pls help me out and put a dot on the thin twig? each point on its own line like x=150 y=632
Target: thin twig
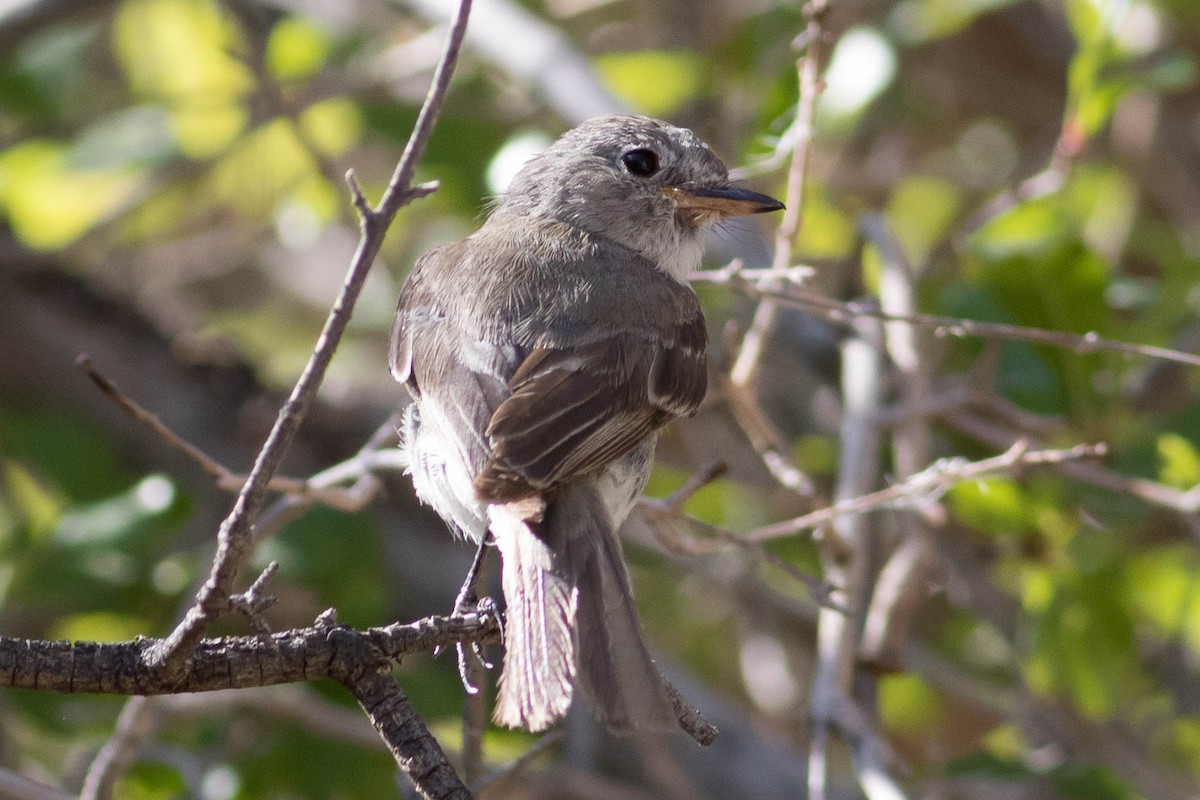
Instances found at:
x=871 y=752
x=740 y=387
x=661 y=516
x=758 y=283
x=678 y=498
x=224 y=476
x=765 y=438
x=14 y=786
x=745 y=368
x=137 y=720
x=1185 y=503
x=235 y=534
x=254 y=601
x=926 y=486
x=742 y=382
x=319 y=488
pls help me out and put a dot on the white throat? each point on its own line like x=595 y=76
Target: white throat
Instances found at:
x=683 y=259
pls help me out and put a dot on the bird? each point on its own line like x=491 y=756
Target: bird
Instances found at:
x=542 y=354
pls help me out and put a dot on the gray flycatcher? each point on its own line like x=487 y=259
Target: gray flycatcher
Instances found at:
x=543 y=353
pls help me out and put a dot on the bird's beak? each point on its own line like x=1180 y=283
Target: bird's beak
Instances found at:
x=728 y=201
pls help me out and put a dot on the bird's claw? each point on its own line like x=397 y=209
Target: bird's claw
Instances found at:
x=467 y=603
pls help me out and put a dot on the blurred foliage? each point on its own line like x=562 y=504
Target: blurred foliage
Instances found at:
x=186 y=157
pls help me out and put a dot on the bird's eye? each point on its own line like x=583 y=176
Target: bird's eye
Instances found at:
x=640 y=162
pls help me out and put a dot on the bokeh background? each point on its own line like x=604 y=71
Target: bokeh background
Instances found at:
x=172 y=203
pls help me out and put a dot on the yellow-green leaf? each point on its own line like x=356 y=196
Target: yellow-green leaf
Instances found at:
x=332 y=126
x=49 y=204
x=98 y=626
x=1179 y=461
x=993 y=504
x=655 y=82
x=296 y=49
x=37 y=505
x=908 y=704
x=179 y=50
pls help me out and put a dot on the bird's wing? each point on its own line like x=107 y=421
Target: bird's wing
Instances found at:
x=462 y=378
x=575 y=408
x=535 y=388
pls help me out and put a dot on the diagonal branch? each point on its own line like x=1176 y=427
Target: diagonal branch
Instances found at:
x=236 y=532
x=318 y=488
x=368 y=677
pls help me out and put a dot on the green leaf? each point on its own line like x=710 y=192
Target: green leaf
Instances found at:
x=988 y=765
x=655 y=82
x=180 y=50
x=920 y=209
x=332 y=126
x=1175 y=72
x=146 y=780
x=296 y=49
x=182 y=53
x=1180 y=461
x=995 y=504
x=36 y=505
x=1090 y=782
x=917 y=21
x=908 y=705
x=98 y=626
x=49 y=203
x=828 y=231
x=1083 y=617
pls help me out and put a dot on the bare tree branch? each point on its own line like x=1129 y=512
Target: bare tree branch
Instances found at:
x=808 y=67
x=302 y=654
x=741 y=384
x=136 y=721
x=899 y=586
x=1185 y=503
x=546 y=59
x=368 y=677
x=319 y=488
x=761 y=283
x=846 y=548
x=926 y=486
x=235 y=534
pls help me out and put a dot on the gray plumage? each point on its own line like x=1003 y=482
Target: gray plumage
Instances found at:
x=543 y=354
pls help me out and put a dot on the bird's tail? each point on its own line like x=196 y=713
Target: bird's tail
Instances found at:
x=539 y=653
x=571 y=612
